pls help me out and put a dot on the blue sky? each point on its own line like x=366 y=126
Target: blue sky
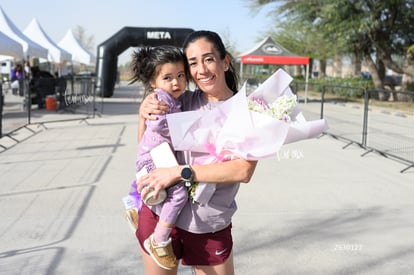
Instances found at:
x=230 y=18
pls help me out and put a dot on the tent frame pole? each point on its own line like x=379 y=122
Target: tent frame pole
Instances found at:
x=306 y=83
x=241 y=71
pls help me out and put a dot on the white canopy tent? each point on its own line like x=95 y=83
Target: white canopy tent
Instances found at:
x=30 y=48
x=56 y=54
x=79 y=54
x=10 y=47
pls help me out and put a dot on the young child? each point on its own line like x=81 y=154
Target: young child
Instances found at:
x=161 y=70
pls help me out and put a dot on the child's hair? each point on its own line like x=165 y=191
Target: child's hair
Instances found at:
x=145 y=63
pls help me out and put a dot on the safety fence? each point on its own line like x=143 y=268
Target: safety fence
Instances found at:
x=42 y=100
x=379 y=121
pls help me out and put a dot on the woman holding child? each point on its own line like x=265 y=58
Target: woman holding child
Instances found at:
x=202 y=235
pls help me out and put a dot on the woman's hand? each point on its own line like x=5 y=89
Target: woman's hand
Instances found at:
x=151 y=106
x=157 y=179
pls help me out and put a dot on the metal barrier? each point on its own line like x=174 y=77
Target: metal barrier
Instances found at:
x=390 y=124
x=46 y=100
x=380 y=121
x=75 y=92
x=13 y=115
x=1 y=109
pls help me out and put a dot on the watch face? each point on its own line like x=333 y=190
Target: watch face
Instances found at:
x=186 y=173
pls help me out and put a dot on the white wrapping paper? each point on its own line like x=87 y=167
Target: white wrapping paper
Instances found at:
x=236 y=131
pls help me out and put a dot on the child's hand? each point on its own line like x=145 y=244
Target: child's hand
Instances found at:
x=151 y=106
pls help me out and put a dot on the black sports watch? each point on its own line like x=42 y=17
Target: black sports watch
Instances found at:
x=187 y=175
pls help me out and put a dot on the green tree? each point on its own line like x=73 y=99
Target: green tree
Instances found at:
x=379 y=32
x=302 y=39
x=296 y=28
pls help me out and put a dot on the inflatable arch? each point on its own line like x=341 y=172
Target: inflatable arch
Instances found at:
x=109 y=50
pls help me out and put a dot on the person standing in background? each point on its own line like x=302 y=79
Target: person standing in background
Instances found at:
x=16 y=78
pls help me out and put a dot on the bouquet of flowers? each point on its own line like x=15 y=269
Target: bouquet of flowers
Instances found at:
x=279 y=109
x=252 y=128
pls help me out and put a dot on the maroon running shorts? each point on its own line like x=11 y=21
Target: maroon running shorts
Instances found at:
x=193 y=249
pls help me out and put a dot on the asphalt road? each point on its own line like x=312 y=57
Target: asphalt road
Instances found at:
x=319 y=209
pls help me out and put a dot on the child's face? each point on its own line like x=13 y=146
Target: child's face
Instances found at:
x=170 y=78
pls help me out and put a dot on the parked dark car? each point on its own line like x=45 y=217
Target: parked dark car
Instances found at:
x=366 y=75
x=392 y=80
x=41 y=85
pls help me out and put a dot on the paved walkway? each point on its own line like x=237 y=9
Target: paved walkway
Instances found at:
x=320 y=209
